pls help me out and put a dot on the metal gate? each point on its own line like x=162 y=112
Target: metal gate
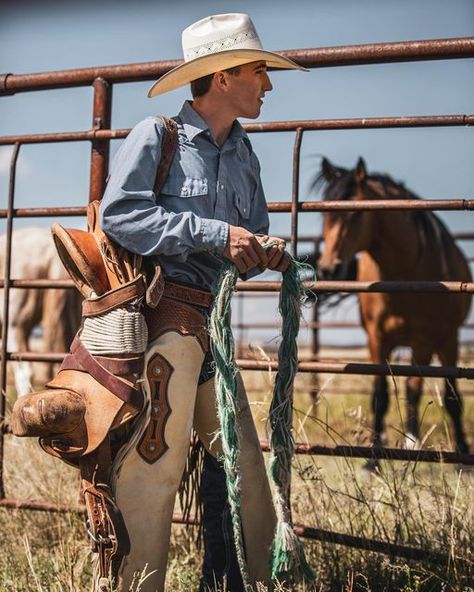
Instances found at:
x=102 y=80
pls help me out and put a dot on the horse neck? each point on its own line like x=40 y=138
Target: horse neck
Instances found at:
x=395 y=242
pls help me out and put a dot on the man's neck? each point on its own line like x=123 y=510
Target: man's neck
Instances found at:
x=218 y=118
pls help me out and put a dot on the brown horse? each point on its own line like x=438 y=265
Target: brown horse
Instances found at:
x=397 y=245
x=56 y=311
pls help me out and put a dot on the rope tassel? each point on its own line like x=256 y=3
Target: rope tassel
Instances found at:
x=288 y=560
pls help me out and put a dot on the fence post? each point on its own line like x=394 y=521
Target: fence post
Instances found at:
x=6 y=293
x=101 y=119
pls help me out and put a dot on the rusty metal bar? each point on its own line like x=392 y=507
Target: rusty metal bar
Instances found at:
x=303 y=531
x=353 y=286
x=101 y=119
x=322 y=57
x=323 y=367
x=366 y=544
x=326 y=286
x=360 y=368
x=6 y=294
x=40 y=284
x=295 y=192
x=315 y=325
x=375 y=204
x=45 y=212
x=410 y=121
x=437 y=456
x=307 y=206
x=304 y=324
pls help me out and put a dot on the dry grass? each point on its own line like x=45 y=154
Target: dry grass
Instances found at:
x=424 y=505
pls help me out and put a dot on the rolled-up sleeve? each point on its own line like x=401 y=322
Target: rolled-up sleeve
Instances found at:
x=130 y=215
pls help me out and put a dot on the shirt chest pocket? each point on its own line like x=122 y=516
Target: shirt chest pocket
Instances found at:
x=185 y=186
x=241 y=206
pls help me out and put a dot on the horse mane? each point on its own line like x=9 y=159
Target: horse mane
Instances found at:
x=430 y=228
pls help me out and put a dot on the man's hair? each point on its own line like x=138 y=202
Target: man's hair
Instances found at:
x=200 y=86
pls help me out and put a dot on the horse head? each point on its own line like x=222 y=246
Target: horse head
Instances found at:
x=344 y=232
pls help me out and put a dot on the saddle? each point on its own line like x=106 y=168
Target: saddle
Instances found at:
x=97 y=389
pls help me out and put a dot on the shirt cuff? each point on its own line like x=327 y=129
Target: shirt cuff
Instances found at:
x=214 y=234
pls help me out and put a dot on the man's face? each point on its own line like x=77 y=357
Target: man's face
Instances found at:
x=247 y=88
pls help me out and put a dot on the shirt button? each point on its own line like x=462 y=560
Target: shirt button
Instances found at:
x=221 y=186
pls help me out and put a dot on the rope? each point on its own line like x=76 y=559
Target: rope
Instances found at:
x=119 y=331
x=288 y=560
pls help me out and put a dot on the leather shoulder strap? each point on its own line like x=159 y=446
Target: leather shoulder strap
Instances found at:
x=168 y=149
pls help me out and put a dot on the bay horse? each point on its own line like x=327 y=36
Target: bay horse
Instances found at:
x=56 y=311
x=409 y=245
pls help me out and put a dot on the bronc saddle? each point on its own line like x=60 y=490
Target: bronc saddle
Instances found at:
x=97 y=389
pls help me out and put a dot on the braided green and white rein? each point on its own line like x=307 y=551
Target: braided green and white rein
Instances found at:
x=288 y=560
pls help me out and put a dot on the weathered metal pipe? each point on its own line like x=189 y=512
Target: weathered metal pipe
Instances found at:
x=364 y=369
x=322 y=57
x=101 y=119
x=327 y=286
x=455 y=120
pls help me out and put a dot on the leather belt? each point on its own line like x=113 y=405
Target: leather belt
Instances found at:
x=188 y=295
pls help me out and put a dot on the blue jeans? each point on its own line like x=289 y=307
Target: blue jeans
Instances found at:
x=220 y=560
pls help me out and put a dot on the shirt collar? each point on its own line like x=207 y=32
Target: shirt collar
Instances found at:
x=194 y=124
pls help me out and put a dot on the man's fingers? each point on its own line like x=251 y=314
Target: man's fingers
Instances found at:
x=284 y=263
x=274 y=257
x=239 y=263
x=260 y=253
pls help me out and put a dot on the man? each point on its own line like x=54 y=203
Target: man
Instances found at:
x=210 y=207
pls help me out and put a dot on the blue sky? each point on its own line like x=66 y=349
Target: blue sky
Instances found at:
x=435 y=163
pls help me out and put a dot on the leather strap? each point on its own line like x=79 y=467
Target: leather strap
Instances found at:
x=87 y=363
x=117 y=366
x=114 y=298
x=168 y=149
x=106 y=525
x=188 y=295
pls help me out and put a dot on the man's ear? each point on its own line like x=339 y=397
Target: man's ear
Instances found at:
x=220 y=80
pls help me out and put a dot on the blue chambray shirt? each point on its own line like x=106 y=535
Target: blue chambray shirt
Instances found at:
x=208 y=188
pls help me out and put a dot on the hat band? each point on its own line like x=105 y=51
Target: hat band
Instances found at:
x=223 y=44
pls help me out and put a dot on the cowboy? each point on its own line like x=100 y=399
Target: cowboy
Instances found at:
x=211 y=208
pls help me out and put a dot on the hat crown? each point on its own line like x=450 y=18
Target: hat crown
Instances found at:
x=219 y=32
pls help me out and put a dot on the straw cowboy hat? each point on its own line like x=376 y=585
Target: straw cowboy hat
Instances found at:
x=216 y=43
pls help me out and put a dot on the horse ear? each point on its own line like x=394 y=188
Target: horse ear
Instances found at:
x=327 y=169
x=360 y=173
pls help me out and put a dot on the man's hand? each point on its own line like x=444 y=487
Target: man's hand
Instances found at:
x=244 y=249
x=278 y=258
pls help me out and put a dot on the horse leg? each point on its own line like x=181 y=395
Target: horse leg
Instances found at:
x=452 y=398
x=21 y=320
x=314 y=381
x=379 y=353
x=414 y=388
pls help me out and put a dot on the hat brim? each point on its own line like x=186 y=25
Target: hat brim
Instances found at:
x=208 y=64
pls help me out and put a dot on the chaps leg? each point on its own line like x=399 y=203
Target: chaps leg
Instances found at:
x=258 y=516
x=145 y=492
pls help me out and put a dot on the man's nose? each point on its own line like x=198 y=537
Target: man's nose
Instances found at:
x=267 y=86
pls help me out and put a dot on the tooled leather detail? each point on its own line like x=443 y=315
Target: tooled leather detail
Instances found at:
x=188 y=295
x=153 y=444
x=171 y=315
